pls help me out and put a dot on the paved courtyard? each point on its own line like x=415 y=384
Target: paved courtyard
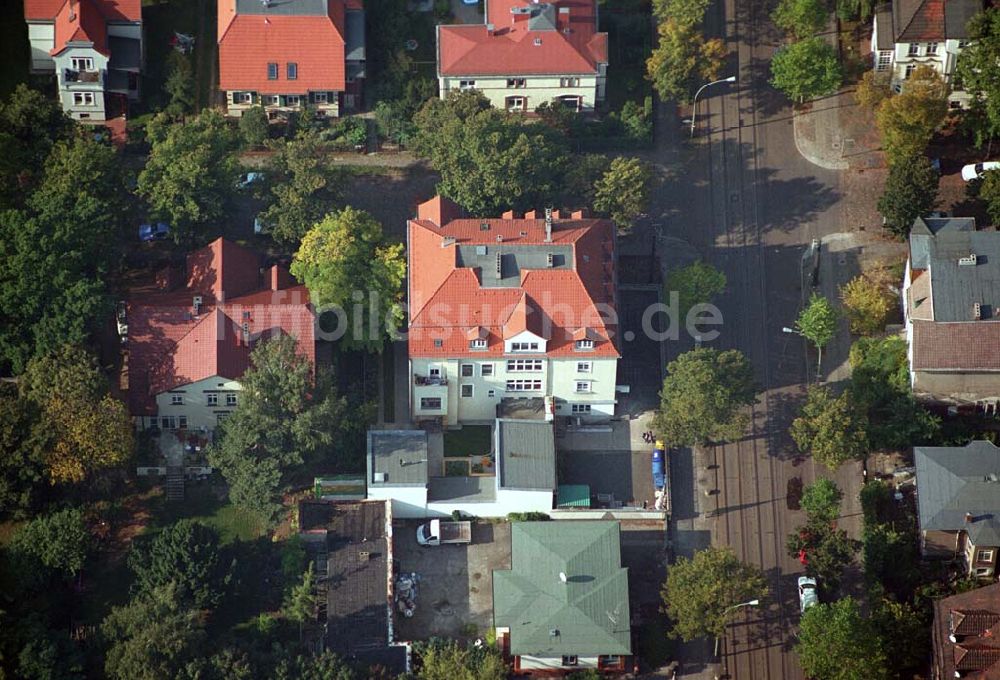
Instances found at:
x=455 y=593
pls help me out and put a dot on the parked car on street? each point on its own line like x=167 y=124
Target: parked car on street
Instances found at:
x=977 y=170
x=807 y=593
x=153 y=232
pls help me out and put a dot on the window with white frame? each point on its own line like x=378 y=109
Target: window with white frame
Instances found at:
x=242 y=97
x=524 y=347
x=168 y=423
x=584 y=367
x=466 y=84
x=962 y=44
x=524 y=385
x=477 y=344
x=270 y=100
x=581 y=408
x=491 y=394
x=319 y=97
x=221 y=415
x=515 y=103
x=176 y=399
x=182 y=422
x=467 y=390
x=985 y=556
x=230 y=399
x=569 y=82
x=983 y=571
x=914 y=49
x=582 y=386
x=584 y=344
x=467 y=370
x=291 y=70
x=884 y=60
x=434 y=371
x=430 y=403
x=910 y=68
x=212 y=399
x=516 y=82
x=82 y=63
x=524 y=365
x=932 y=48
x=83 y=98
x=272 y=70
x=292 y=100
x=486 y=370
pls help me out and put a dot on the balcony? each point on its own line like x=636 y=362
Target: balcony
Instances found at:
x=430 y=380
x=72 y=76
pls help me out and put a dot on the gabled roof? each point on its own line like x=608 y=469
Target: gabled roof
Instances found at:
x=958 y=346
x=958 y=489
x=455 y=287
x=111 y=10
x=308 y=33
x=585 y=615
x=927 y=20
x=973 y=618
x=170 y=345
x=525 y=38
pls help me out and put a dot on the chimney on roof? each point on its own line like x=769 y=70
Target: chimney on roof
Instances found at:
x=578 y=214
x=548 y=225
x=195 y=305
x=969 y=518
x=72 y=10
x=508 y=215
x=490 y=29
x=530 y=215
x=977 y=311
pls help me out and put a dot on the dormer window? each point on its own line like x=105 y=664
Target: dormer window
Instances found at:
x=584 y=345
x=272 y=70
x=524 y=347
x=477 y=344
x=292 y=70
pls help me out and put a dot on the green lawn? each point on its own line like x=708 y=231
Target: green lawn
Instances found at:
x=161 y=19
x=232 y=523
x=471 y=440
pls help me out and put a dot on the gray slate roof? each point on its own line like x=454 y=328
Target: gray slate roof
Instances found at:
x=354 y=38
x=401 y=455
x=302 y=8
x=953 y=481
x=883 y=27
x=513 y=259
x=526 y=455
x=938 y=245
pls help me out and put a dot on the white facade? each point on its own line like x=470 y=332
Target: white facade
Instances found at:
x=198 y=406
x=468 y=390
x=512 y=92
x=81 y=76
x=41 y=35
x=325 y=103
x=407 y=501
x=903 y=58
x=410 y=502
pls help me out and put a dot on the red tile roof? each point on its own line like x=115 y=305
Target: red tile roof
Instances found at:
x=448 y=306
x=169 y=346
x=249 y=42
x=80 y=22
x=973 y=618
x=112 y=10
x=954 y=346
x=574 y=47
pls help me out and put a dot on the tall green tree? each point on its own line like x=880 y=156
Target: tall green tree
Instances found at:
x=682 y=58
x=30 y=124
x=300 y=604
x=703 y=396
x=152 y=637
x=697 y=283
x=836 y=642
x=179 y=85
x=817 y=323
x=989 y=191
x=827 y=551
x=447 y=660
x=976 y=71
x=187 y=554
x=282 y=419
x=489 y=160
x=806 y=69
x=305 y=186
x=59 y=541
x=821 y=500
x=831 y=428
x=622 y=193
x=346 y=262
x=868 y=300
x=908 y=120
x=801 y=18
x=22 y=470
x=191 y=173
x=699 y=591
x=254 y=127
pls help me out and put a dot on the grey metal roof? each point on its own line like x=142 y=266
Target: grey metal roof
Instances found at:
x=479 y=489
x=956 y=17
x=955 y=287
x=883 y=28
x=126 y=53
x=526 y=454
x=955 y=481
x=542 y=17
x=303 y=8
x=354 y=48
x=513 y=259
x=401 y=455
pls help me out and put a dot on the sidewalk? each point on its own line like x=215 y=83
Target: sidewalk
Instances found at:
x=837 y=134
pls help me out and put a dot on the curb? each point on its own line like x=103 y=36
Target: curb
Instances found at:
x=802 y=146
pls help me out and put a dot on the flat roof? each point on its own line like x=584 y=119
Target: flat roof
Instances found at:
x=526 y=454
x=397 y=458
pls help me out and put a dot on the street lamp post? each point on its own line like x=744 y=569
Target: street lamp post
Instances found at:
x=725 y=612
x=819 y=350
x=694 y=105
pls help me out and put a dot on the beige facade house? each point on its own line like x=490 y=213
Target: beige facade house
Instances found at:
x=958 y=503
x=511 y=312
x=911 y=33
x=528 y=53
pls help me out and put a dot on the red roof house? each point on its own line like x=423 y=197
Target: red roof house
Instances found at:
x=966 y=635
x=546 y=50
x=208 y=328
x=284 y=54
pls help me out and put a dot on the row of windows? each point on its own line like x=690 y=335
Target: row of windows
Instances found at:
x=515 y=83
x=83 y=99
x=291 y=70
x=82 y=63
x=513 y=366
x=211 y=399
x=434 y=403
x=283 y=99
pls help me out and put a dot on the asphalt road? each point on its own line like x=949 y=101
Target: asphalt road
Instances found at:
x=746 y=201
